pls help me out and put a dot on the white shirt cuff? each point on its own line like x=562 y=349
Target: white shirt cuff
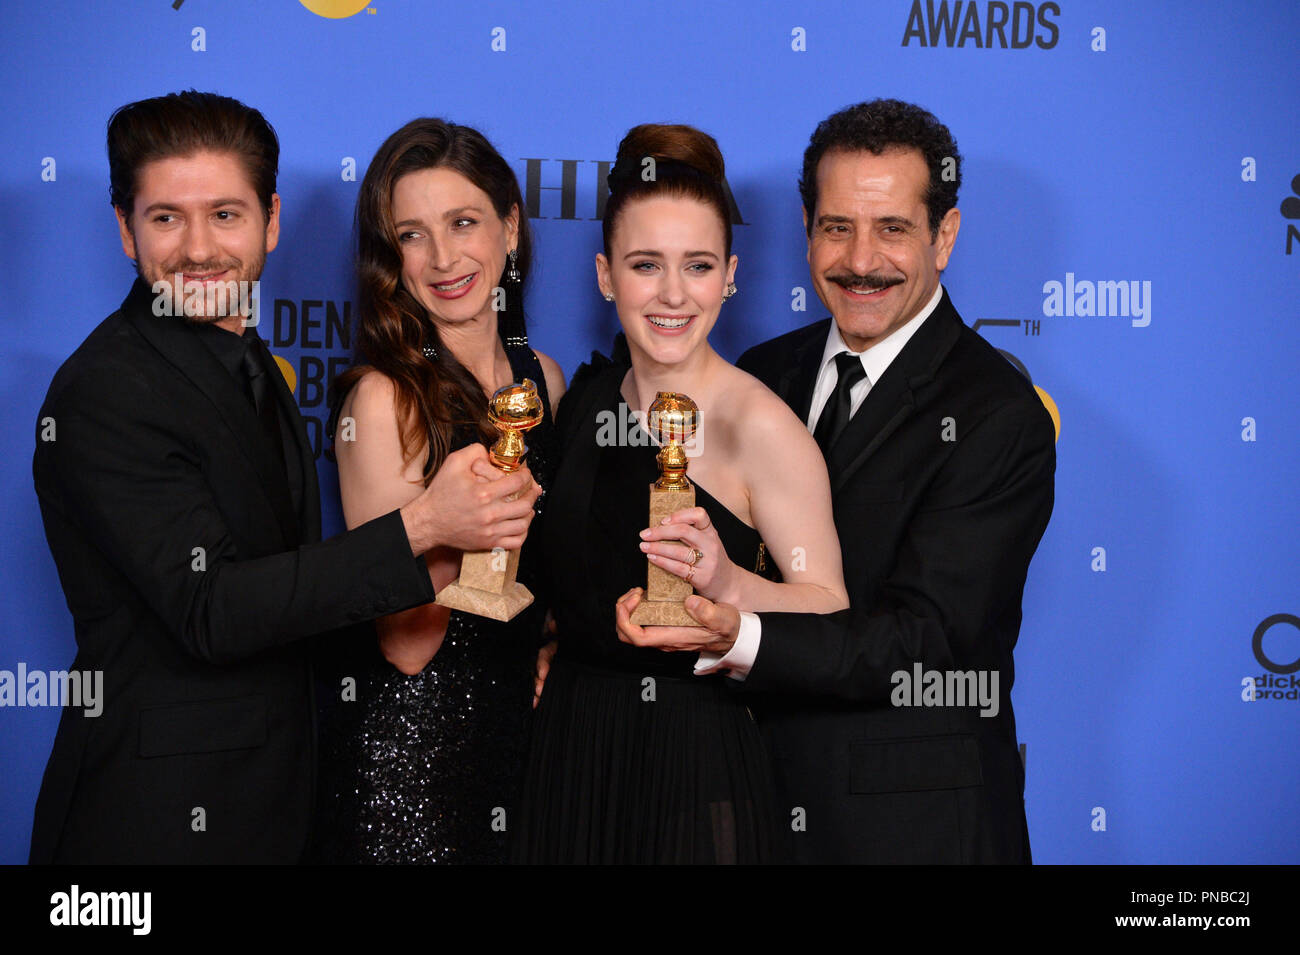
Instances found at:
x=739 y=660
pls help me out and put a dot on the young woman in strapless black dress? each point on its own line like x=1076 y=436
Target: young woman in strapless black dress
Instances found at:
x=635 y=758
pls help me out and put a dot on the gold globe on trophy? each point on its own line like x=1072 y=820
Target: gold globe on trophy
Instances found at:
x=674 y=418
x=486 y=585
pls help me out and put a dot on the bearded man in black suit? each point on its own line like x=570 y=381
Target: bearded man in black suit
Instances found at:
x=179 y=495
x=890 y=724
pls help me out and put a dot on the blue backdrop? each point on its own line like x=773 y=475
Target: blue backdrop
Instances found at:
x=1150 y=143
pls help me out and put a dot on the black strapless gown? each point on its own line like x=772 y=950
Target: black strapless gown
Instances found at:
x=634 y=759
x=426 y=768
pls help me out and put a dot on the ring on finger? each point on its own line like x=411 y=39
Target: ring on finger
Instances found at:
x=697 y=555
x=690 y=573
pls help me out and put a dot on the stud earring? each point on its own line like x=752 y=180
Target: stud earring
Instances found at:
x=609 y=297
x=731 y=290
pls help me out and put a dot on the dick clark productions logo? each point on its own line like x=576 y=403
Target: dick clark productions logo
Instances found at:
x=1257 y=643
x=1279 y=682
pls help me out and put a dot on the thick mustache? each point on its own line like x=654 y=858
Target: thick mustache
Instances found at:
x=871 y=280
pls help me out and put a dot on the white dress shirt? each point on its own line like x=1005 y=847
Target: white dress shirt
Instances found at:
x=875 y=360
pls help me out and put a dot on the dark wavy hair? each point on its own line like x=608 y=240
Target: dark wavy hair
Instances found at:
x=434 y=398
x=878 y=126
x=181 y=124
x=687 y=162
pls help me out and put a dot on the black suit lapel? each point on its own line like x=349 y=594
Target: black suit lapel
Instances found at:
x=299 y=455
x=887 y=405
x=183 y=350
x=891 y=400
x=309 y=503
x=798 y=380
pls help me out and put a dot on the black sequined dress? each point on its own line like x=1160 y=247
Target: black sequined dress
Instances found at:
x=425 y=768
x=634 y=759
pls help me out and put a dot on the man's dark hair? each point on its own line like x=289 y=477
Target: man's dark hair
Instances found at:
x=182 y=124
x=876 y=127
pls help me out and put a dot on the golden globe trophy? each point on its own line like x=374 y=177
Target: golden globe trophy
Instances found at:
x=486 y=585
x=674 y=419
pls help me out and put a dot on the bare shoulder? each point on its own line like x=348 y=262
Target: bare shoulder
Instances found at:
x=371 y=404
x=554 y=377
x=764 y=415
x=374 y=392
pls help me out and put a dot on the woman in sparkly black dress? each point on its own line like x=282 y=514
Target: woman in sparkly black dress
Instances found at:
x=635 y=758
x=421 y=761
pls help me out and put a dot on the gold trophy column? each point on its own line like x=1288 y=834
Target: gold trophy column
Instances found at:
x=486 y=585
x=674 y=418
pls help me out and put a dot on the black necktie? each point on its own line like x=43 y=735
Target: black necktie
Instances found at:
x=258 y=367
x=835 y=413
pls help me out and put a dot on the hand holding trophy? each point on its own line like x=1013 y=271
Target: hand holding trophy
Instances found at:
x=674 y=419
x=487 y=586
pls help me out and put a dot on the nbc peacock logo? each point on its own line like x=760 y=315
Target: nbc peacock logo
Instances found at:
x=335 y=9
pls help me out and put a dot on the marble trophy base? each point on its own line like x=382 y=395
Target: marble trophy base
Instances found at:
x=486 y=586
x=662 y=604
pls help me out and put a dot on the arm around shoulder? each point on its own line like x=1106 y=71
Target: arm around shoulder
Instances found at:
x=957 y=578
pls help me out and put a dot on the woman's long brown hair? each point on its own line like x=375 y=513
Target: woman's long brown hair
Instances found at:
x=434 y=398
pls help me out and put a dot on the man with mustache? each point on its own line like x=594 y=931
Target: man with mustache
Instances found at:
x=941 y=458
x=179 y=495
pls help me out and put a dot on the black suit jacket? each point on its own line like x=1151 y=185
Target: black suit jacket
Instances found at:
x=158 y=494
x=937 y=536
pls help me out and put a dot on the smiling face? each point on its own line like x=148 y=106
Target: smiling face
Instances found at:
x=199 y=216
x=453 y=244
x=667 y=271
x=870 y=250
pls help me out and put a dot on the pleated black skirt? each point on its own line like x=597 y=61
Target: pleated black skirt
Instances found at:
x=626 y=768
